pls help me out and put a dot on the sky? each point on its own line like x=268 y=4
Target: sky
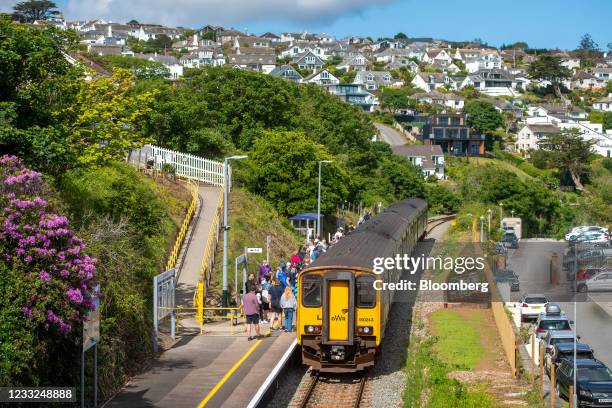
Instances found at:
x=541 y=23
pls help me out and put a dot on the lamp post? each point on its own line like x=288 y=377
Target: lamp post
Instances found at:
x=489 y=212
x=512 y=212
x=225 y=298
x=481 y=228
x=319 y=199
x=501 y=214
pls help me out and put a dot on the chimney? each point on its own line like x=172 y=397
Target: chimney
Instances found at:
x=110 y=31
x=195 y=39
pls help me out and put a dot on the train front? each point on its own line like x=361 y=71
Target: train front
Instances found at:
x=338 y=320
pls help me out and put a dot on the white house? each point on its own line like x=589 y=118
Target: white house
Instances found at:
x=603 y=75
x=603 y=104
x=308 y=60
x=429 y=158
x=583 y=80
x=323 y=77
x=434 y=54
x=449 y=100
x=493 y=82
x=353 y=63
x=203 y=56
x=429 y=81
x=487 y=59
x=529 y=136
x=373 y=80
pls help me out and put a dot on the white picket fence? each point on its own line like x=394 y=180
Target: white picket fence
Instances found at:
x=186 y=165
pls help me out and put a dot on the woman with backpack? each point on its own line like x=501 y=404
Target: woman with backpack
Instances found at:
x=288 y=304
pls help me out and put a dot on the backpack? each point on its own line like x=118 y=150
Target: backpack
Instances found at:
x=265 y=296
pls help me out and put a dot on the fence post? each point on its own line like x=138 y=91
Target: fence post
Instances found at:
x=201 y=305
x=551 y=394
x=571 y=396
x=541 y=370
x=532 y=358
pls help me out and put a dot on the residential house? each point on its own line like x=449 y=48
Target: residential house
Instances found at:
x=403 y=62
x=390 y=54
x=250 y=42
x=603 y=104
x=373 y=80
x=603 y=75
x=258 y=62
x=228 y=36
x=355 y=62
x=101 y=49
x=450 y=132
x=175 y=69
x=354 y=94
x=494 y=82
x=308 y=61
x=437 y=55
x=529 y=136
x=429 y=158
x=449 y=100
x=323 y=77
x=429 y=81
x=273 y=38
x=584 y=80
x=203 y=56
x=296 y=48
x=287 y=72
x=215 y=30
x=547 y=113
x=446 y=67
x=570 y=63
x=486 y=60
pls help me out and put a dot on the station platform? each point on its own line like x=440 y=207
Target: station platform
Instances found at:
x=216 y=369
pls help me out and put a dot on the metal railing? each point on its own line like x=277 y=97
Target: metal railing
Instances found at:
x=184 y=227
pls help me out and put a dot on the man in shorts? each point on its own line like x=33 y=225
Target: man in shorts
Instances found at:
x=250 y=306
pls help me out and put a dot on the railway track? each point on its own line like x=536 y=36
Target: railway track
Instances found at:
x=433 y=223
x=334 y=390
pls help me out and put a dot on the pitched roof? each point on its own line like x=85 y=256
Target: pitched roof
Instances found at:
x=252 y=59
x=314 y=74
x=438 y=77
x=544 y=128
x=439 y=95
x=418 y=150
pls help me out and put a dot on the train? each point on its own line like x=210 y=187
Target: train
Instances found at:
x=341 y=318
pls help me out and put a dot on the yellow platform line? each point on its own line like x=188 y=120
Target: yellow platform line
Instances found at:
x=228 y=375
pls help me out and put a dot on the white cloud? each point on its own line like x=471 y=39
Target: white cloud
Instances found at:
x=198 y=12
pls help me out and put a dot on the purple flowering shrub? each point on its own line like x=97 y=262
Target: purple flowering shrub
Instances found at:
x=59 y=276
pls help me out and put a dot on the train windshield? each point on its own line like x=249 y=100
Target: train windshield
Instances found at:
x=311 y=291
x=366 y=294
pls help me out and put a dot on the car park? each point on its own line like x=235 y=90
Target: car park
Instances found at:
x=531 y=306
x=596 y=238
x=508 y=276
x=575 y=232
x=559 y=351
x=602 y=282
x=593 y=382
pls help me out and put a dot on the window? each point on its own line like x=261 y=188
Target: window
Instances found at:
x=370 y=77
x=455 y=120
x=366 y=294
x=463 y=133
x=296 y=50
x=324 y=75
x=438 y=132
x=311 y=291
x=387 y=78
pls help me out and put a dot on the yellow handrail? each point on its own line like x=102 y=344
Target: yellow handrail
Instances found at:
x=184 y=227
x=199 y=300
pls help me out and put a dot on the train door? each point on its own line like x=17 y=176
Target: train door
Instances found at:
x=339 y=308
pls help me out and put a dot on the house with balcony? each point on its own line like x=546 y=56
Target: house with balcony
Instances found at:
x=603 y=104
x=354 y=94
x=529 y=136
x=449 y=131
x=429 y=158
x=448 y=100
x=356 y=62
x=429 y=81
x=373 y=80
x=308 y=61
x=287 y=72
x=603 y=75
x=323 y=77
x=494 y=82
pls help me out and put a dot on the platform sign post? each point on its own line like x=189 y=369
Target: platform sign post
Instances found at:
x=163 y=300
x=268 y=239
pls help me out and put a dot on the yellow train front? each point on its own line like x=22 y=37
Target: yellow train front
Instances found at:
x=341 y=317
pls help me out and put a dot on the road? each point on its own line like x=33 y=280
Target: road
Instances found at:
x=531 y=264
x=390 y=135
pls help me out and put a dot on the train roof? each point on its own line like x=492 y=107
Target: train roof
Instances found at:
x=376 y=237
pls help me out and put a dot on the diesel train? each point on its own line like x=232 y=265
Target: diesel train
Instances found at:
x=341 y=318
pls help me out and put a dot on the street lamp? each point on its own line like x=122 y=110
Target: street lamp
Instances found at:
x=481 y=228
x=489 y=212
x=501 y=214
x=319 y=199
x=225 y=298
x=512 y=212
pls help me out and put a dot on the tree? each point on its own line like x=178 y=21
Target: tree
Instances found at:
x=34 y=10
x=569 y=152
x=400 y=36
x=549 y=68
x=482 y=116
x=609 y=45
x=393 y=99
x=132 y=21
x=587 y=43
x=509 y=119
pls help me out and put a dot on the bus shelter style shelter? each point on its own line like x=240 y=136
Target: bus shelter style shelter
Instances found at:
x=305 y=224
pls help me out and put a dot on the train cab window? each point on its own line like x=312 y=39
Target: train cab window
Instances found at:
x=366 y=294
x=311 y=291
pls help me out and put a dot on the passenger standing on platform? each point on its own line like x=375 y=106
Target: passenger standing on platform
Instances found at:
x=276 y=292
x=295 y=258
x=265 y=298
x=264 y=269
x=288 y=304
x=251 y=281
x=250 y=306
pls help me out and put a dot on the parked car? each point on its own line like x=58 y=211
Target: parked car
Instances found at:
x=510 y=241
x=602 y=282
x=508 y=276
x=585 y=275
x=559 y=351
x=593 y=382
x=532 y=305
x=581 y=230
x=596 y=238
x=548 y=322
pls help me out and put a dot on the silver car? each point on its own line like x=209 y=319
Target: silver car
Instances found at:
x=602 y=282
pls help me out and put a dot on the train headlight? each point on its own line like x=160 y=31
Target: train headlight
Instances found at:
x=365 y=330
x=312 y=329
